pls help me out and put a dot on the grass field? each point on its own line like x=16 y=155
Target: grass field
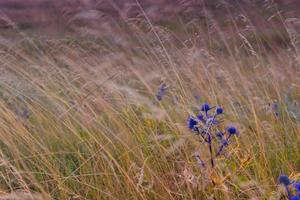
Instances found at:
x=79 y=118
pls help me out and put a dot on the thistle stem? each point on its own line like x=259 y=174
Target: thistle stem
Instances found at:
x=222 y=146
x=211 y=152
x=220 y=150
x=288 y=192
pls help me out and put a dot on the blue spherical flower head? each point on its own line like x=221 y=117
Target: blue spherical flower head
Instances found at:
x=192 y=123
x=200 y=117
x=284 y=180
x=232 y=130
x=297 y=186
x=295 y=198
x=161 y=91
x=219 y=110
x=205 y=107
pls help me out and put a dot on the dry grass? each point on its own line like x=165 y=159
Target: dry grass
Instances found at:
x=79 y=118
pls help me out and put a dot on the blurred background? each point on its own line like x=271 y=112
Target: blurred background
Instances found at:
x=80 y=116
x=96 y=17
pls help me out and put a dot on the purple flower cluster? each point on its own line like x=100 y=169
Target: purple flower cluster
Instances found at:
x=203 y=125
x=287 y=182
x=161 y=91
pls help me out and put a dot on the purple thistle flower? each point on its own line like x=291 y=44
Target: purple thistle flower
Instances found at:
x=284 y=180
x=295 y=198
x=208 y=130
x=161 y=91
x=200 y=117
x=219 y=110
x=205 y=107
x=297 y=186
x=232 y=130
x=224 y=143
x=192 y=123
x=275 y=108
